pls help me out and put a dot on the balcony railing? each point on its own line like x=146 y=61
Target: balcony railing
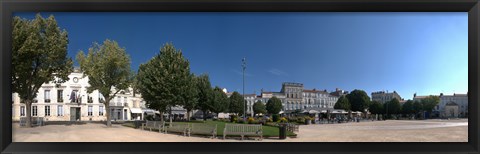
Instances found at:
x=118 y=104
x=47 y=100
x=60 y=100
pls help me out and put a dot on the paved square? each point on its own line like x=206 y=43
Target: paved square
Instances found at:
x=378 y=131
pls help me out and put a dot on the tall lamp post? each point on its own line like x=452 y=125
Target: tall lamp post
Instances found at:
x=244 y=65
x=387 y=110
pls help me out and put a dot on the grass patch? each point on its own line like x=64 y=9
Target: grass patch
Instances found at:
x=129 y=124
x=268 y=131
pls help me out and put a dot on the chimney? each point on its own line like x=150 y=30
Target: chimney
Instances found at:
x=314 y=89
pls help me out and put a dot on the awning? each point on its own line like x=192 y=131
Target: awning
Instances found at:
x=150 y=112
x=135 y=110
x=313 y=111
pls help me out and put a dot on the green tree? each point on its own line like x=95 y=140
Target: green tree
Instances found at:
x=259 y=107
x=429 y=103
x=376 y=108
x=205 y=94
x=165 y=80
x=359 y=100
x=407 y=108
x=342 y=103
x=220 y=101
x=274 y=105
x=108 y=69
x=417 y=107
x=39 y=55
x=393 y=107
x=190 y=95
x=145 y=83
x=236 y=103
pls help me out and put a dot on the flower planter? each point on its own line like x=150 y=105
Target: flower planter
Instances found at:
x=308 y=122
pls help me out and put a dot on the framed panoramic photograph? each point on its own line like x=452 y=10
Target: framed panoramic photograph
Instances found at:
x=257 y=76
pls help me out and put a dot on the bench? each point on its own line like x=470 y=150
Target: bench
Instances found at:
x=199 y=128
x=292 y=127
x=35 y=121
x=243 y=129
x=179 y=128
x=160 y=125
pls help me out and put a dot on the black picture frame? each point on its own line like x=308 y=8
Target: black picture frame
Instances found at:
x=7 y=8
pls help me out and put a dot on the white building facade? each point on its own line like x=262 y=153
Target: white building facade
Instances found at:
x=70 y=101
x=294 y=97
x=382 y=96
x=458 y=102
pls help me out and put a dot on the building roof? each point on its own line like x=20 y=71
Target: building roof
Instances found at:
x=451 y=103
x=419 y=97
x=311 y=91
x=292 y=84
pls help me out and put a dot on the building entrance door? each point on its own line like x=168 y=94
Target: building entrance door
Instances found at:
x=74 y=114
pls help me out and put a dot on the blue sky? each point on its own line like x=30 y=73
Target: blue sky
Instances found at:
x=424 y=53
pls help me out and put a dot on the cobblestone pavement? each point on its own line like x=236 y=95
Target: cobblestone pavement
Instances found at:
x=377 y=131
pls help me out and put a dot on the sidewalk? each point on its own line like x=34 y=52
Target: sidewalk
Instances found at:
x=377 y=131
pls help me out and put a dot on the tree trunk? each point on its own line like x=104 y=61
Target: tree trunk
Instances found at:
x=107 y=107
x=28 y=112
x=188 y=115
x=204 y=115
x=170 y=114
x=161 y=116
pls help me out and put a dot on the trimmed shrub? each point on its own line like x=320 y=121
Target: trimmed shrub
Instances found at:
x=240 y=120
x=149 y=118
x=233 y=118
x=283 y=119
x=300 y=120
x=251 y=120
x=275 y=117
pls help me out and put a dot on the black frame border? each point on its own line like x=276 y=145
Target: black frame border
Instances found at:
x=7 y=7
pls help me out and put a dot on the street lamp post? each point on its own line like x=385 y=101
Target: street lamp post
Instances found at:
x=244 y=65
x=387 y=110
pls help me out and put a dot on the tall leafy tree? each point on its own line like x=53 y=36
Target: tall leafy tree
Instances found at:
x=393 y=106
x=342 y=103
x=376 y=108
x=274 y=105
x=236 y=103
x=190 y=95
x=359 y=100
x=417 y=107
x=39 y=55
x=165 y=80
x=259 y=107
x=430 y=102
x=220 y=101
x=144 y=82
x=107 y=66
x=205 y=94
x=407 y=107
